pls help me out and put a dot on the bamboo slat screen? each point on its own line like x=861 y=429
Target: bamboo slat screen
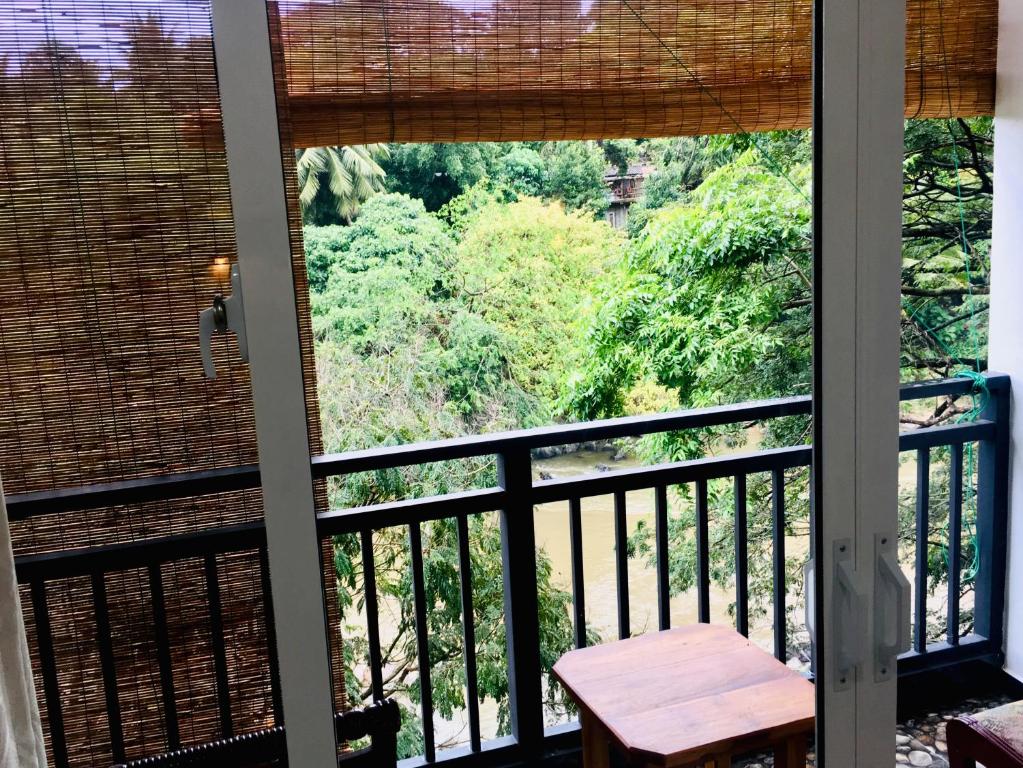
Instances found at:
x=363 y=71
x=115 y=231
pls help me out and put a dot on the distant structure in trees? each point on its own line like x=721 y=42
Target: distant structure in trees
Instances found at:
x=623 y=190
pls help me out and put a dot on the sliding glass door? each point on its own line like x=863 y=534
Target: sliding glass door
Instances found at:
x=861 y=600
x=857 y=599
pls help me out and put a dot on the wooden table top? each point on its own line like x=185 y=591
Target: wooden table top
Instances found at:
x=670 y=697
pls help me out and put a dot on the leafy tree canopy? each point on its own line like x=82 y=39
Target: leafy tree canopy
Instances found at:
x=620 y=153
x=529 y=268
x=569 y=171
x=576 y=175
x=701 y=306
x=435 y=173
x=417 y=325
x=334 y=182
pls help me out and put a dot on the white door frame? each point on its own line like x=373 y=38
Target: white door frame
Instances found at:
x=241 y=41
x=858 y=137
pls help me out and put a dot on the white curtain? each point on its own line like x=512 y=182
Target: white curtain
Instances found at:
x=21 y=733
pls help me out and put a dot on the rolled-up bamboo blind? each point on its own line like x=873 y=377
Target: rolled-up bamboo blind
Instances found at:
x=364 y=71
x=115 y=231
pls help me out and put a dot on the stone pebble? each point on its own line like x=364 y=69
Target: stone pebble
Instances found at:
x=919 y=740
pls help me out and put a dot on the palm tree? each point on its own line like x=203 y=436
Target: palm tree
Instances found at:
x=352 y=173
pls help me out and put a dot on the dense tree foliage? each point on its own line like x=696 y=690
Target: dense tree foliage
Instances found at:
x=703 y=307
x=575 y=175
x=947 y=237
x=569 y=171
x=530 y=269
x=679 y=166
x=435 y=173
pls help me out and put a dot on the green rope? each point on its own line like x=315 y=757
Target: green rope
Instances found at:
x=979 y=393
x=980 y=396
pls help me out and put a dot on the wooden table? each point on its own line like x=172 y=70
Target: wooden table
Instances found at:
x=692 y=696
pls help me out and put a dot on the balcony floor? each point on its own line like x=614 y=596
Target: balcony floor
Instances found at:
x=920 y=737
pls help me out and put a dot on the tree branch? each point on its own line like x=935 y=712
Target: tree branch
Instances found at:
x=980 y=290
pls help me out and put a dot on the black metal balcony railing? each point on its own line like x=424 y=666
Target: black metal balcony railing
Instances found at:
x=514 y=498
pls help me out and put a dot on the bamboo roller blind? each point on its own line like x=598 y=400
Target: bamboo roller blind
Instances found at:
x=364 y=71
x=115 y=231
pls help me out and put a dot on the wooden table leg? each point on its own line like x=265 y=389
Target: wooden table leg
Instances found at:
x=595 y=748
x=791 y=753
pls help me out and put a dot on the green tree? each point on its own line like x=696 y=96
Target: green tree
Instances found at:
x=334 y=182
x=529 y=269
x=435 y=173
x=575 y=175
x=377 y=281
x=707 y=300
x=620 y=153
x=523 y=171
x=946 y=231
x=680 y=166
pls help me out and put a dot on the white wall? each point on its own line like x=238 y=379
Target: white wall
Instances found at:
x=1006 y=347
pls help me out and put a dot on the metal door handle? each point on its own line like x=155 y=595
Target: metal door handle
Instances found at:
x=889 y=583
x=849 y=617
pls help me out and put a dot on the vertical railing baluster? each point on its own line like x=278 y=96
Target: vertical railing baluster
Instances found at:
x=575 y=530
x=415 y=539
x=923 y=527
x=778 y=545
x=702 y=552
x=661 y=533
x=741 y=563
x=219 y=649
x=48 y=663
x=107 y=666
x=955 y=528
x=992 y=517
x=369 y=582
x=522 y=628
x=622 y=564
x=163 y=657
x=468 y=632
x=271 y=636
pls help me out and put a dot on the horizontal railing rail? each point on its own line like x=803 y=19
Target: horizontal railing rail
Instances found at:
x=388 y=457
x=180 y=485
x=513 y=498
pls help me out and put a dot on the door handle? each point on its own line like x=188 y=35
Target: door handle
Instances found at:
x=849 y=616
x=891 y=621
x=227 y=313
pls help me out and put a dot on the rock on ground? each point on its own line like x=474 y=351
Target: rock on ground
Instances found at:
x=919 y=740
